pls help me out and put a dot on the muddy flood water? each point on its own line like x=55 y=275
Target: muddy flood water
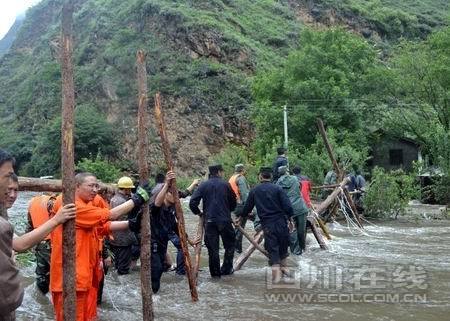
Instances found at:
x=397 y=271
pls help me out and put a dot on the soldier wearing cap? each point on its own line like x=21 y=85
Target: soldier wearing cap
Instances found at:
x=274 y=210
x=219 y=201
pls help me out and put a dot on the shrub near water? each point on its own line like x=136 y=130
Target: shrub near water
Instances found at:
x=389 y=193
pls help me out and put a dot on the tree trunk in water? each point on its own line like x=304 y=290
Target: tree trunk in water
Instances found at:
x=317 y=235
x=174 y=191
x=143 y=124
x=240 y=261
x=67 y=162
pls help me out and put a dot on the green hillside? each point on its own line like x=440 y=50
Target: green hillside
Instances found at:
x=202 y=56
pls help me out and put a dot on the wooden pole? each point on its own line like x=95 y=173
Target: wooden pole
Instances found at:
x=353 y=209
x=323 y=227
x=67 y=162
x=325 y=186
x=174 y=191
x=240 y=261
x=338 y=171
x=143 y=123
x=251 y=240
x=321 y=208
x=198 y=247
x=317 y=235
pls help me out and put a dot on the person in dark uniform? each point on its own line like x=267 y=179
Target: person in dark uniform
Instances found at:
x=219 y=201
x=274 y=210
x=281 y=160
x=163 y=225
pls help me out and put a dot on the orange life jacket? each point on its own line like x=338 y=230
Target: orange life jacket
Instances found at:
x=38 y=209
x=234 y=186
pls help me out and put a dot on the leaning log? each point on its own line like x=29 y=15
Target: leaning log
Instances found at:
x=322 y=207
x=143 y=125
x=67 y=162
x=337 y=169
x=240 y=261
x=312 y=225
x=251 y=240
x=174 y=191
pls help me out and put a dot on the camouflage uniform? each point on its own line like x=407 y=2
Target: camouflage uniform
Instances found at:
x=42 y=252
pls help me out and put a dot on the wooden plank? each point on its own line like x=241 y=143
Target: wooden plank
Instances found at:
x=67 y=162
x=143 y=130
x=174 y=191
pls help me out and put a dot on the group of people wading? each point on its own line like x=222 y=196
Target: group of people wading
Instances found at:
x=107 y=229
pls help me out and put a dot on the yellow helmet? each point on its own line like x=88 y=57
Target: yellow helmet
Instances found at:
x=125 y=182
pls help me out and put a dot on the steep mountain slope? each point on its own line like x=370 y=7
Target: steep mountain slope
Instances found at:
x=7 y=41
x=201 y=56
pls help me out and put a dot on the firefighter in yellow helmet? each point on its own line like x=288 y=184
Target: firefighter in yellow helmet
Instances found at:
x=122 y=242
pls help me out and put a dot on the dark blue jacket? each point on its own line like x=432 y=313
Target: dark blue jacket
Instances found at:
x=218 y=200
x=280 y=161
x=272 y=203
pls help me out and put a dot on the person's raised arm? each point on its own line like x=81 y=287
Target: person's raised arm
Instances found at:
x=30 y=239
x=138 y=199
x=159 y=200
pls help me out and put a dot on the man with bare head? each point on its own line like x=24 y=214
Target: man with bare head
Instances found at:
x=12 y=191
x=91 y=222
x=11 y=291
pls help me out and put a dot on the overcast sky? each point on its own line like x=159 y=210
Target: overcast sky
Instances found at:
x=9 y=9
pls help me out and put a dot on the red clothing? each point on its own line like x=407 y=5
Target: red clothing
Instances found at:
x=306 y=190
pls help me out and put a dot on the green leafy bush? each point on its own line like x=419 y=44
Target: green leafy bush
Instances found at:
x=389 y=193
x=105 y=171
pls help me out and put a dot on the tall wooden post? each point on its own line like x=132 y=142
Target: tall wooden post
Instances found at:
x=174 y=191
x=67 y=161
x=143 y=123
x=338 y=170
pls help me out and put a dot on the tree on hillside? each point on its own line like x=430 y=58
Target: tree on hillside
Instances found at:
x=419 y=92
x=93 y=135
x=325 y=78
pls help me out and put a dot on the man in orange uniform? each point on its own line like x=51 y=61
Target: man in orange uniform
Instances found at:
x=91 y=221
x=39 y=212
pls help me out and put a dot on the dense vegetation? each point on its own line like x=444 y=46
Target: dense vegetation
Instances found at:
x=232 y=61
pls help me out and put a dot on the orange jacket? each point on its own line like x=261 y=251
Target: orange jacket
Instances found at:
x=234 y=186
x=91 y=222
x=38 y=211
